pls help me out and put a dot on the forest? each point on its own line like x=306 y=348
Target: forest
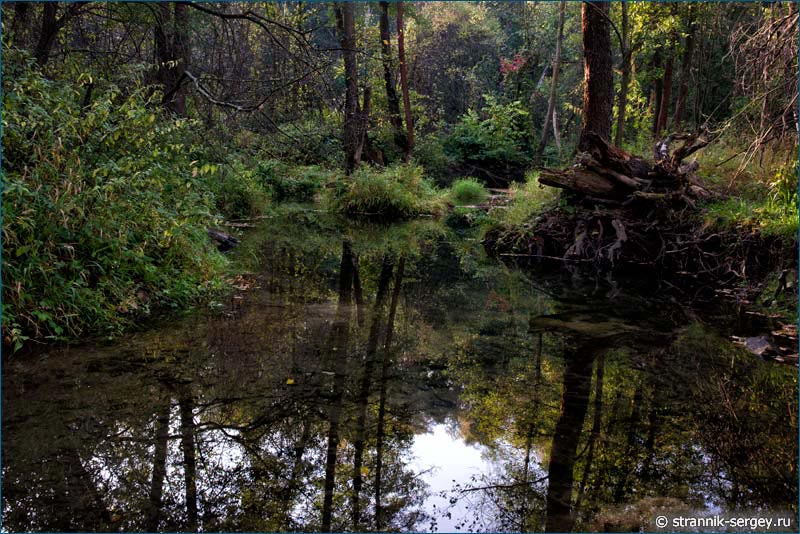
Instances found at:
x=262 y=260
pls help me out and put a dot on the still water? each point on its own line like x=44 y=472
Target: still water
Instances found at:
x=367 y=377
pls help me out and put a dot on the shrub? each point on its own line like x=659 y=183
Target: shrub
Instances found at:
x=291 y=183
x=396 y=192
x=468 y=191
x=105 y=207
x=496 y=136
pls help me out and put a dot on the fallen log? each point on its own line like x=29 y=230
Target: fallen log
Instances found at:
x=606 y=172
x=223 y=240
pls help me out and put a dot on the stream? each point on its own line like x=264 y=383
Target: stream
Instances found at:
x=392 y=377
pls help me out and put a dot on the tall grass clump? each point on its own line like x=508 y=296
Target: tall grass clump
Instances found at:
x=468 y=191
x=396 y=192
x=528 y=200
x=105 y=207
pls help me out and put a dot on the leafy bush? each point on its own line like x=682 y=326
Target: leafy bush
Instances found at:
x=105 y=207
x=291 y=183
x=496 y=136
x=396 y=192
x=468 y=191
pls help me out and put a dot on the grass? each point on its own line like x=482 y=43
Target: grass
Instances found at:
x=761 y=196
x=527 y=201
x=393 y=193
x=468 y=191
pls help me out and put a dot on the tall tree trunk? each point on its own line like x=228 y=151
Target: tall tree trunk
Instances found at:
x=186 y=404
x=686 y=71
x=401 y=56
x=363 y=393
x=392 y=98
x=48 y=30
x=574 y=403
x=658 y=89
x=666 y=94
x=172 y=53
x=551 y=103
x=598 y=92
x=622 y=100
x=387 y=345
x=345 y=22
x=159 y=467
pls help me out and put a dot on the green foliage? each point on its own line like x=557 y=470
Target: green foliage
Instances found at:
x=762 y=190
x=105 y=207
x=497 y=135
x=292 y=183
x=468 y=191
x=429 y=151
x=527 y=201
x=396 y=192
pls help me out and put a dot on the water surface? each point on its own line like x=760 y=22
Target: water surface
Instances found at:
x=370 y=377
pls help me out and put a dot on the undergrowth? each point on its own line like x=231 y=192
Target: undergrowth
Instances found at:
x=105 y=206
x=392 y=193
x=468 y=191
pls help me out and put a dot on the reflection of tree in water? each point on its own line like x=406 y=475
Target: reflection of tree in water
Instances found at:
x=287 y=390
x=241 y=438
x=639 y=429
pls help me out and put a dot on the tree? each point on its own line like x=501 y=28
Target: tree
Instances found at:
x=353 y=140
x=172 y=49
x=686 y=69
x=598 y=92
x=389 y=79
x=551 y=104
x=622 y=99
x=401 y=55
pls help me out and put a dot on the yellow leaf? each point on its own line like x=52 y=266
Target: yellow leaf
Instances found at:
x=290 y=381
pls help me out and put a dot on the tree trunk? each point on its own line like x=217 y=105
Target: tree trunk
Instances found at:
x=658 y=87
x=598 y=93
x=345 y=22
x=172 y=53
x=551 y=103
x=50 y=24
x=686 y=71
x=401 y=55
x=392 y=98
x=666 y=94
x=622 y=101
